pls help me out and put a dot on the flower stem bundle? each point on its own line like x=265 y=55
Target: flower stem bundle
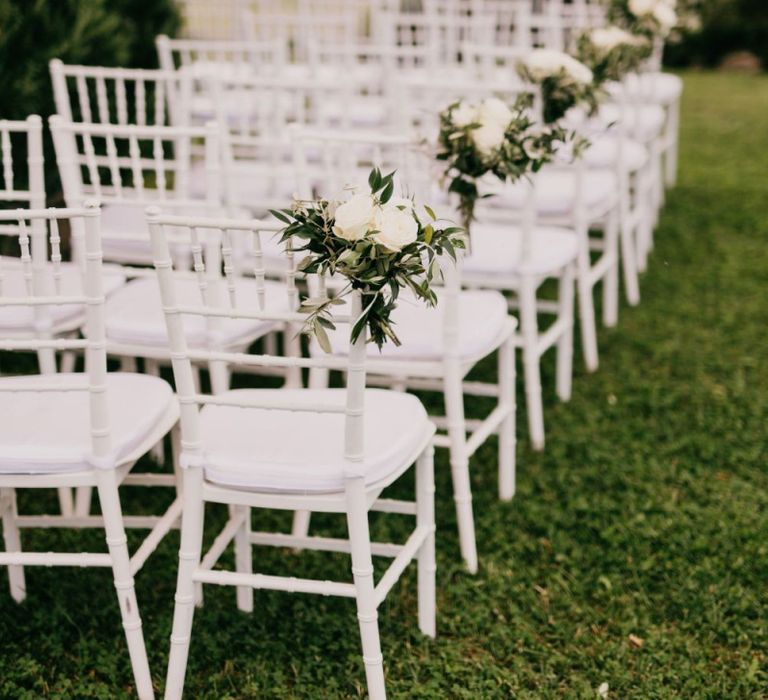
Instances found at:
x=378 y=244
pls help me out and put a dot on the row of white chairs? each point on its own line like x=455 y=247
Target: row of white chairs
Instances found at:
x=87 y=429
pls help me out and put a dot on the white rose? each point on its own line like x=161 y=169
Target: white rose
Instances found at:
x=355 y=218
x=489 y=137
x=665 y=16
x=640 y=8
x=496 y=111
x=577 y=70
x=541 y=63
x=610 y=37
x=464 y=115
x=396 y=225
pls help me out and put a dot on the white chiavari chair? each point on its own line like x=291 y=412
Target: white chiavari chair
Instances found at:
x=79 y=429
x=512 y=251
x=566 y=195
x=145 y=166
x=23 y=186
x=440 y=346
x=237 y=449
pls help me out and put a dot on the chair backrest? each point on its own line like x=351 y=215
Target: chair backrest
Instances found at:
x=422 y=98
x=22 y=178
x=130 y=164
x=134 y=166
x=433 y=38
x=330 y=22
x=165 y=230
x=203 y=58
x=99 y=95
x=39 y=285
x=254 y=113
x=328 y=162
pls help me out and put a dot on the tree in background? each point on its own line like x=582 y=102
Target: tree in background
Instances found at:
x=91 y=32
x=727 y=26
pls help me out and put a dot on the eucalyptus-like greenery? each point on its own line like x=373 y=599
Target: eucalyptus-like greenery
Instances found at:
x=560 y=92
x=524 y=147
x=612 y=63
x=371 y=262
x=651 y=25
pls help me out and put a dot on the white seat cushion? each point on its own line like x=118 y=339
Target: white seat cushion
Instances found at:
x=603 y=152
x=47 y=433
x=303 y=452
x=555 y=191
x=134 y=313
x=496 y=250
x=660 y=88
x=483 y=316
x=645 y=122
x=21 y=319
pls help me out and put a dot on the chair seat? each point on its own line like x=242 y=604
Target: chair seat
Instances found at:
x=483 y=321
x=645 y=121
x=48 y=432
x=496 y=250
x=555 y=191
x=659 y=88
x=603 y=152
x=20 y=320
x=134 y=314
x=303 y=452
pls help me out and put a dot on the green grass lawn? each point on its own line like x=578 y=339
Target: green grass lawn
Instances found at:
x=635 y=552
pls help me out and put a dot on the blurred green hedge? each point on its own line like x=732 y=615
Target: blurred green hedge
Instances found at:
x=92 y=32
x=727 y=26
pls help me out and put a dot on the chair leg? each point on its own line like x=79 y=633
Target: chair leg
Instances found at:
x=425 y=517
x=462 y=490
x=189 y=560
x=507 y=432
x=301 y=523
x=68 y=360
x=611 y=281
x=244 y=558
x=530 y=331
x=128 y=364
x=219 y=374
x=121 y=567
x=46 y=360
x=362 y=571
x=670 y=162
x=66 y=500
x=586 y=305
x=12 y=540
x=564 y=369
x=157 y=452
x=629 y=263
x=83 y=496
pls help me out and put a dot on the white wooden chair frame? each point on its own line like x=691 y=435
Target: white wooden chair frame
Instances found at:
x=355 y=500
x=106 y=474
x=446 y=375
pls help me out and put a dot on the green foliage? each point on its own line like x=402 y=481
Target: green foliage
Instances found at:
x=559 y=93
x=726 y=26
x=525 y=147
x=376 y=270
x=646 y=515
x=90 y=32
x=614 y=63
